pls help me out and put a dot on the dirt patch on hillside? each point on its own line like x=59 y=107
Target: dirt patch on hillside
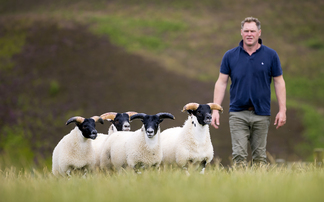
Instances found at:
x=67 y=71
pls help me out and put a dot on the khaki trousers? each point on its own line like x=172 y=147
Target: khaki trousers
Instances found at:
x=247 y=127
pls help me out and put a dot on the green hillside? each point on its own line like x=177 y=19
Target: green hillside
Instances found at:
x=64 y=58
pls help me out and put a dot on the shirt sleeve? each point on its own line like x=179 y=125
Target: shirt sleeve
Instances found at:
x=224 y=68
x=276 y=69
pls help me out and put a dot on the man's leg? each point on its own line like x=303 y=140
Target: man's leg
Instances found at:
x=258 y=139
x=239 y=128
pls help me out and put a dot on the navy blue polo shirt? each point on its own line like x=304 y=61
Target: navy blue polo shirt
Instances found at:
x=251 y=77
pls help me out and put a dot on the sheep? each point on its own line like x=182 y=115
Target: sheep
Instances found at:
x=138 y=149
x=74 y=151
x=190 y=144
x=120 y=122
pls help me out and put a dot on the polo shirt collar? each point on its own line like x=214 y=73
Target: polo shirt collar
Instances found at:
x=241 y=42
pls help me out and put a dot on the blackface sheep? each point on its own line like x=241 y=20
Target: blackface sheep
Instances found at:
x=191 y=143
x=75 y=151
x=138 y=149
x=120 y=122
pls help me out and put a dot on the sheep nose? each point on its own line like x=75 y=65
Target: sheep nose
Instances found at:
x=208 y=119
x=93 y=134
x=150 y=132
x=126 y=127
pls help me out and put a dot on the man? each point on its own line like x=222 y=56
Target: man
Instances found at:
x=251 y=67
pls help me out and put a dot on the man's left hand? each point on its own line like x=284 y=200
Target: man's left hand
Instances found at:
x=280 y=119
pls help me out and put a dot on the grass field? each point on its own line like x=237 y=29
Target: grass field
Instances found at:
x=294 y=183
x=186 y=37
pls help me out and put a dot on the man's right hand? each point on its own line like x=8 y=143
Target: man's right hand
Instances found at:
x=215 y=119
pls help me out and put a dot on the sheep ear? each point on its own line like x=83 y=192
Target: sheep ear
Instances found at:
x=190 y=106
x=110 y=116
x=98 y=118
x=138 y=116
x=165 y=115
x=112 y=129
x=77 y=119
x=214 y=106
x=190 y=112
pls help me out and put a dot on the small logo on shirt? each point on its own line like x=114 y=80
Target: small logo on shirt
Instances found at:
x=262 y=63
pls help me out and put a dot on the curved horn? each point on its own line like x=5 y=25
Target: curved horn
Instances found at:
x=214 y=106
x=130 y=114
x=165 y=115
x=190 y=106
x=77 y=119
x=108 y=115
x=138 y=116
x=97 y=118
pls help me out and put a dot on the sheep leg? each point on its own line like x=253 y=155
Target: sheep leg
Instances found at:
x=65 y=171
x=156 y=167
x=85 y=169
x=203 y=165
x=185 y=168
x=137 y=167
x=68 y=172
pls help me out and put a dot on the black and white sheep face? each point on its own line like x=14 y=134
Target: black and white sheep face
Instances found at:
x=88 y=128
x=121 y=122
x=152 y=122
x=151 y=125
x=203 y=114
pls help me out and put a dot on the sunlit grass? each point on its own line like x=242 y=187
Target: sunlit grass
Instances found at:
x=136 y=33
x=298 y=183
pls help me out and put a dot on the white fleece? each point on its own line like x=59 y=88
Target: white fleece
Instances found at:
x=98 y=143
x=188 y=143
x=126 y=148
x=74 y=151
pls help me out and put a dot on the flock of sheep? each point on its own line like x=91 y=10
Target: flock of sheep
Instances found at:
x=85 y=149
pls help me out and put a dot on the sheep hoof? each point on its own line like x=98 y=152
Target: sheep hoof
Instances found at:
x=68 y=173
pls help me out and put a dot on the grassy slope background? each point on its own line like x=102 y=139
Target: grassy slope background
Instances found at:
x=62 y=59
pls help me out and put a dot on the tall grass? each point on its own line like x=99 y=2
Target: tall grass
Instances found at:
x=218 y=184
x=188 y=37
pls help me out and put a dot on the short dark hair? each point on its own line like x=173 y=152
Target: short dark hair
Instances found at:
x=251 y=19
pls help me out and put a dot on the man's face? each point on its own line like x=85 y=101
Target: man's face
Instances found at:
x=250 y=34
